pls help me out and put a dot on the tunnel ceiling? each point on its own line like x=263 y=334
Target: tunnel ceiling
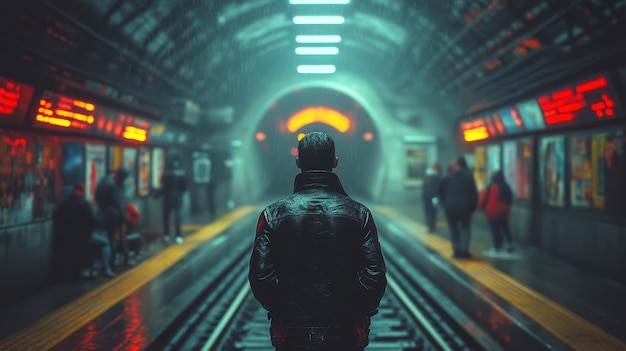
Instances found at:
x=475 y=51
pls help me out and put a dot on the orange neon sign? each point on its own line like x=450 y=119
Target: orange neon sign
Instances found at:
x=134 y=133
x=65 y=112
x=319 y=114
x=475 y=134
x=474 y=130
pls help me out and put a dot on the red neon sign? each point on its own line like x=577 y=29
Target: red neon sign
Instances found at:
x=588 y=101
x=14 y=100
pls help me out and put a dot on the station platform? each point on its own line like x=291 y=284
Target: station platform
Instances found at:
x=521 y=297
x=526 y=300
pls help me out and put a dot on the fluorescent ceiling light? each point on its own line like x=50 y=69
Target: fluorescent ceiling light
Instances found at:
x=319 y=2
x=317 y=50
x=319 y=69
x=318 y=19
x=318 y=38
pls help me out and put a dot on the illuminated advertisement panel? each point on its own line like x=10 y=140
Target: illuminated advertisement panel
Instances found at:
x=60 y=112
x=14 y=100
x=552 y=170
x=511 y=120
x=56 y=111
x=113 y=123
x=95 y=168
x=143 y=180
x=591 y=100
x=531 y=115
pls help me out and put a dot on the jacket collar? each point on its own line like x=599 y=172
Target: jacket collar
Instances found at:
x=318 y=179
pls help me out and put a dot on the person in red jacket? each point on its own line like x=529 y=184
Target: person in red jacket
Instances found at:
x=495 y=201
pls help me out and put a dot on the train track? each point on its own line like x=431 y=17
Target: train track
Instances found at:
x=229 y=318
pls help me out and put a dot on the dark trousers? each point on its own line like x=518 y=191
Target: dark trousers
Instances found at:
x=460 y=233
x=167 y=210
x=499 y=230
x=430 y=213
x=100 y=240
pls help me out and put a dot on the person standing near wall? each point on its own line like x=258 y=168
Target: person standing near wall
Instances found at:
x=430 y=195
x=459 y=197
x=174 y=186
x=495 y=201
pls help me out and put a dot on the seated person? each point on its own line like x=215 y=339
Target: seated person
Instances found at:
x=74 y=233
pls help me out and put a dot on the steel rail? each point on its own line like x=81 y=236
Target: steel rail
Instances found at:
x=419 y=316
x=226 y=318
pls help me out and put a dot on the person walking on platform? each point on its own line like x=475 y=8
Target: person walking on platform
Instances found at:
x=174 y=186
x=75 y=231
x=111 y=202
x=316 y=263
x=459 y=197
x=495 y=201
x=430 y=195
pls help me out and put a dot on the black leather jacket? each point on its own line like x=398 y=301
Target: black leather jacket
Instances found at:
x=316 y=260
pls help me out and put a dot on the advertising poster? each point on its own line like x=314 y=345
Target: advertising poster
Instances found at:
x=551 y=170
x=531 y=114
x=143 y=182
x=416 y=164
x=129 y=161
x=581 y=180
x=509 y=163
x=158 y=166
x=73 y=166
x=598 y=164
x=95 y=162
x=511 y=124
x=201 y=168
x=480 y=167
x=493 y=159
x=524 y=168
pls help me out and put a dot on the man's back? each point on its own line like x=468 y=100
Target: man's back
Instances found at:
x=458 y=192
x=316 y=265
x=174 y=185
x=317 y=260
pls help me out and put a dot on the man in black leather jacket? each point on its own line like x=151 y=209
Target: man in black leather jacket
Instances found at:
x=316 y=265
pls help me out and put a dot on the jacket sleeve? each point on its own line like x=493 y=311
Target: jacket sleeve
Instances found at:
x=473 y=191
x=371 y=272
x=262 y=274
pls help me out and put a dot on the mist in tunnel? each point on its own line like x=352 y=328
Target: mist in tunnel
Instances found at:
x=306 y=110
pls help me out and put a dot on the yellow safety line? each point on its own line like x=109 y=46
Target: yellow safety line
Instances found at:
x=187 y=227
x=60 y=324
x=561 y=322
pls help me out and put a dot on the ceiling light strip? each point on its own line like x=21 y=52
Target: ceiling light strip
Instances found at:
x=316 y=69
x=319 y=2
x=318 y=39
x=317 y=51
x=318 y=20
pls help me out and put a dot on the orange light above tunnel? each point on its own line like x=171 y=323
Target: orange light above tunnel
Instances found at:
x=318 y=114
x=260 y=136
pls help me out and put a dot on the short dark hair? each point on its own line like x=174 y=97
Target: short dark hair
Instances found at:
x=462 y=162
x=121 y=173
x=316 y=151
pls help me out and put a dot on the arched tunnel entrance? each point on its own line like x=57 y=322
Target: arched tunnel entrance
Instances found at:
x=357 y=140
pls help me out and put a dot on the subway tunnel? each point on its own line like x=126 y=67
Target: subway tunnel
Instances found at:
x=535 y=89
